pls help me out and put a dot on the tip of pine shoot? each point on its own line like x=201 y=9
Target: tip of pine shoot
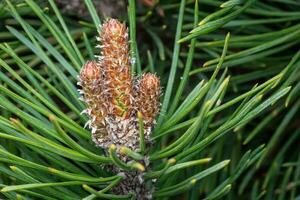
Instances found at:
x=205 y=64
x=138 y=166
x=52 y=118
x=122 y=150
x=236 y=129
x=286 y=104
x=260 y=97
x=181 y=40
x=226 y=162
x=12 y=167
x=8 y=27
x=85 y=186
x=172 y=161
x=201 y=23
x=208 y=103
x=227 y=78
x=13 y=120
x=52 y=170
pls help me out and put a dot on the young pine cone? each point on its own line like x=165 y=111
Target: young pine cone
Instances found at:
x=113 y=99
x=91 y=81
x=147 y=99
x=115 y=64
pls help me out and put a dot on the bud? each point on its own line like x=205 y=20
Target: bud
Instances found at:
x=115 y=62
x=147 y=98
x=92 y=88
x=90 y=72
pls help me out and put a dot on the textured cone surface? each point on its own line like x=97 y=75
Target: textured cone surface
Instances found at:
x=147 y=99
x=115 y=63
x=91 y=81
